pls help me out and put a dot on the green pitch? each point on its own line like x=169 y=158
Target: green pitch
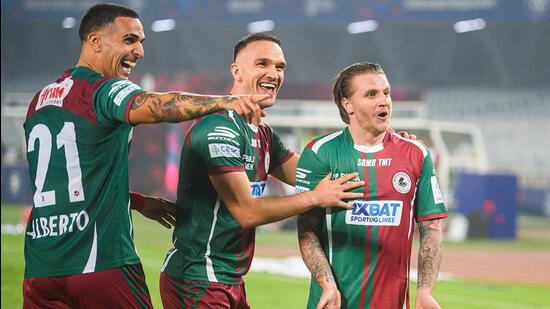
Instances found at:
x=266 y=290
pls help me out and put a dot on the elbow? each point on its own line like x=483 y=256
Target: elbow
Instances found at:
x=246 y=222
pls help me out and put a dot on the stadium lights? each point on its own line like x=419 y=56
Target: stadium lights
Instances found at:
x=469 y=25
x=163 y=25
x=68 y=22
x=261 y=26
x=363 y=26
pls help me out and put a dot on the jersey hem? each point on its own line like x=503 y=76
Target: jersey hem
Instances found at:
x=433 y=217
x=225 y=169
x=225 y=280
x=78 y=271
x=129 y=105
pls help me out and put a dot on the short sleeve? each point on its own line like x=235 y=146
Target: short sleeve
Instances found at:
x=218 y=140
x=113 y=99
x=429 y=200
x=310 y=171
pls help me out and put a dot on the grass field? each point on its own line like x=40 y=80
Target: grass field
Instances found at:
x=275 y=291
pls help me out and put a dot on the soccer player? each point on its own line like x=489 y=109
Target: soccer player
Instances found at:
x=224 y=165
x=360 y=257
x=79 y=250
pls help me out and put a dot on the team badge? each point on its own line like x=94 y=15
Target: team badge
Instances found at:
x=401 y=182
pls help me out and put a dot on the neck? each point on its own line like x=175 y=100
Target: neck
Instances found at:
x=365 y=137
x=86 y=60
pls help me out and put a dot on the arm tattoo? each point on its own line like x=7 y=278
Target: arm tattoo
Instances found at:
x=176 y=106
x=309 y=228
x=429 y=253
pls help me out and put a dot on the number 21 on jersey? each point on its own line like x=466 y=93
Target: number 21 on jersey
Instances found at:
x=66 y=139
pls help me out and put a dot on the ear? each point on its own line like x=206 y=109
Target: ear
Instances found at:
x=236 y=72
x=347 y=105
x=94 y=41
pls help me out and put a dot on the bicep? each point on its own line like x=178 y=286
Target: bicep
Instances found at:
x=233 y=188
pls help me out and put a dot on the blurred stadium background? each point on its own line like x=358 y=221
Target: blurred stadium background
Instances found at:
x=470 y=78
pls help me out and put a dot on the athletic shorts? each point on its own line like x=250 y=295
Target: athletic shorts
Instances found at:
x=181 y=293
x=122 y=287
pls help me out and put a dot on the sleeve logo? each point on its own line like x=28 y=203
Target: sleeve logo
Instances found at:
x=401 y=182
x=438 y=197
x=224 y=150
x=122 y=88
x=53 y=94
x=223 y=131
x=301 y=173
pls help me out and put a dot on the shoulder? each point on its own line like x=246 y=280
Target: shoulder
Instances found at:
x=325 y=142
x=405 y=143
x=86 y=75
x=218 y=126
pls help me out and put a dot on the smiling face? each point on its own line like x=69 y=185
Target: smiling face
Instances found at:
x=259 y=68
x=370 y=105
x=119 y=46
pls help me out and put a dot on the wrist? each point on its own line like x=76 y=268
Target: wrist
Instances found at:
x=137 y=201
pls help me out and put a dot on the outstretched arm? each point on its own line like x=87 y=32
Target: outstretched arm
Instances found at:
x=309 y=228
x=234 y=189
x=152 y=107
x=429 y=260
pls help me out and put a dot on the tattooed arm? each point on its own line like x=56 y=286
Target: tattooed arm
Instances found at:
x=151 y=107
x=309 y=228
x=429 y=260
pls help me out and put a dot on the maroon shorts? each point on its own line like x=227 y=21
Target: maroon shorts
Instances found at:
x=122 y=287
x=180 y=293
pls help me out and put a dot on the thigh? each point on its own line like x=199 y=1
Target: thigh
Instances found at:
x=122 y=287
x=45 y=293
x=181 y=293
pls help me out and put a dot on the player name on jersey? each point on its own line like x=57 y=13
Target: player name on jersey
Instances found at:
x=58 y=225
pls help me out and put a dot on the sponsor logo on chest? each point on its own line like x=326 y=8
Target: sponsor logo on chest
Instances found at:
x=257 y=188
x=374 y=162
x=53 y=94
x=375 y=213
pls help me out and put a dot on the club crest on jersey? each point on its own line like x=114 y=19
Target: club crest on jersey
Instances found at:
x=375 y=213
x=401 y=182
x=53 y=94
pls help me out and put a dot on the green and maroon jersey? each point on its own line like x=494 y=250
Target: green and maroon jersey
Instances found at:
x=369 y=246
x=78 y=136
x=209 y=244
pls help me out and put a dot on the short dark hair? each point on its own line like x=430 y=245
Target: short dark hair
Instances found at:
x=260 y=36
x=100 y=15
x=342 y=83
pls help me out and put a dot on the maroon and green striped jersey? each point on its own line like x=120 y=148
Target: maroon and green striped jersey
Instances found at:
x=369 y=246
x=209 y=244
x=78 y=136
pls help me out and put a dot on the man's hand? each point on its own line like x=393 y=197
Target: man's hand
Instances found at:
x=332 y=193
x=247 y=106
x=330 y=299
x=407 y=135
x=160 y=210
x=425 y=300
